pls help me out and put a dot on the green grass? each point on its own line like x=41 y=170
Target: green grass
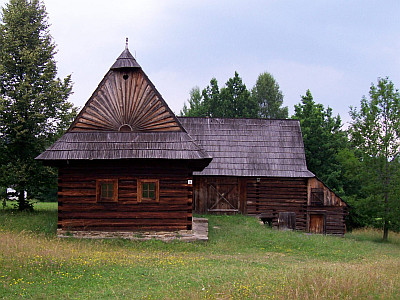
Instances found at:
x=43 y=220
x=243 y=259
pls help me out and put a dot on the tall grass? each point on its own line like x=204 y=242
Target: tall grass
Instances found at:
x=243 y=259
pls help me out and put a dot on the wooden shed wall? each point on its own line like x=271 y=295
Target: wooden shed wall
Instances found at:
x=273 y=199
x=321 y=200
x=334 y=218
x=329 y=197
x=268 y=197
x=79 y=210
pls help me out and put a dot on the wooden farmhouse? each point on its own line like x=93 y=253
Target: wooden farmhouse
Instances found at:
x=127 y=163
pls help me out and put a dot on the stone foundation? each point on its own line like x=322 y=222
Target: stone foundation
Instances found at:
x=198 y=233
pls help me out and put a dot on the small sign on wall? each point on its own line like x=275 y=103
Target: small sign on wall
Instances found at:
x=190 y=181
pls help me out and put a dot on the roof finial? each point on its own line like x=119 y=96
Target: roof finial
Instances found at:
x=126 y=44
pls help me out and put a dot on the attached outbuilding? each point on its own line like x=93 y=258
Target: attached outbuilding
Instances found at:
x=259 y=169
x=128 y=164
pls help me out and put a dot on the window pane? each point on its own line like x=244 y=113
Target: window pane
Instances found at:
x=103 y=190
x=152 y=195
x=110 y=189
x=145 y=190
x=107 y=190
x=149 y=190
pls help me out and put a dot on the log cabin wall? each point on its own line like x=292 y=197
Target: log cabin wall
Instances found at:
x=282 y=202
x=266 y=197
x=332 y=222
x=80 y=210
x=273 y=198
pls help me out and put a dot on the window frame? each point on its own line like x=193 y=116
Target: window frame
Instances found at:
x=140 y=197
x=99 y=183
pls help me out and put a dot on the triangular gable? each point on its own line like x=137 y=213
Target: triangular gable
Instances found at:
x=126 y=100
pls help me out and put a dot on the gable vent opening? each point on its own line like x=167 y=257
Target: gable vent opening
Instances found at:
x=125 y=128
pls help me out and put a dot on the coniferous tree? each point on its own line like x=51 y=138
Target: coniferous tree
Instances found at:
x=269 y=97
x=236 y=100
x=196 y=107
x=213 y=106
x=323 y=139
x=231 y=101
x=35 y=110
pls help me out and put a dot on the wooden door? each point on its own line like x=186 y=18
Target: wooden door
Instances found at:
x=287 y=220
x=317 y=223
x=223 y=196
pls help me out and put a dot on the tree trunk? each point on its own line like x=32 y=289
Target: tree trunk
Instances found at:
x=23 y=204
x=385 y=220
x=385 y=231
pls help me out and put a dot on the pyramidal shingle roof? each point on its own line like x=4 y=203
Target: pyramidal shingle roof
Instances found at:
x=125 y=118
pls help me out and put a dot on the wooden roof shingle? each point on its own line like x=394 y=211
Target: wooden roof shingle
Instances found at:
x=250 y=147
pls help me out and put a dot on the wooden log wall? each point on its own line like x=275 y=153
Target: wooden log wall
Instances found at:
x=267 y=197
x=334 y=218
x=332 y=207
x=270 y=198
x=79 y=209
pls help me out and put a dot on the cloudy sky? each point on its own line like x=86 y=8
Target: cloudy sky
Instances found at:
x=334 y=48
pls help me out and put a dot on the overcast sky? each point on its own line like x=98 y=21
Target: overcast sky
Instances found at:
x=334 y=48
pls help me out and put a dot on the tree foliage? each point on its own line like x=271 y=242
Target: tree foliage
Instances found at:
x=323 y=139
x=196 y=107
x=269 y=98
x=375 y=132
x=234 y=100
x=212 y=102
x=35 y=110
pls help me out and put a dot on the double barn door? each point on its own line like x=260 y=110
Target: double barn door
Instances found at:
x=223 y=195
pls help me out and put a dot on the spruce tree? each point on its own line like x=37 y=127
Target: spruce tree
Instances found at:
x=323 y=139
x=269 y=98
x=33 y=102
x=236 y=99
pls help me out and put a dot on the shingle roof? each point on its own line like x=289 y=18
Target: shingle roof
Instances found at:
x=124 y=145
x=125 y=60
x=126 y=118
x=250 y=147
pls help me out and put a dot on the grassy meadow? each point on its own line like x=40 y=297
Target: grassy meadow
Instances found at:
x=243 y=259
